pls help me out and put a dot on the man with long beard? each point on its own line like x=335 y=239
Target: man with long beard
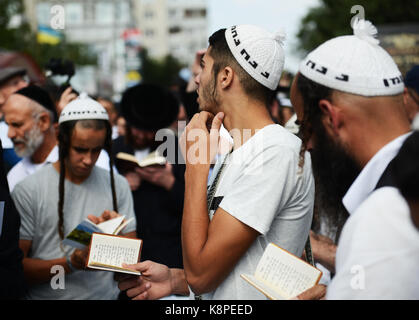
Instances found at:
x=348 y=99
x=30 y=115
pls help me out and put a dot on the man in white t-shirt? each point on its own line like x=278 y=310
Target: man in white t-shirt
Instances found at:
x=259 y=192
x=348 y=98
x=30 y=114
x=55 y=199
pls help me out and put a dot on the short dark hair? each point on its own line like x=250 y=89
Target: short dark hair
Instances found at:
x=223 y=57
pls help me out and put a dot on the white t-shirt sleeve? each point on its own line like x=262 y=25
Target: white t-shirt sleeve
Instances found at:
x=15 y=175
x=263 y=187
x=22 y=198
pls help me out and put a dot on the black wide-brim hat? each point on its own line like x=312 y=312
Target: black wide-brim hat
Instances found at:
x=149 y=107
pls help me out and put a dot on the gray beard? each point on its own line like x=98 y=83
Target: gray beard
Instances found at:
x=33 y=140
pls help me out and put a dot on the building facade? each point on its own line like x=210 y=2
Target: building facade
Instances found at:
x=176 y=27
x=100 y=24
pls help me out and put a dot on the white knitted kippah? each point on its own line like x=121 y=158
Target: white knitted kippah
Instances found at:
x=259 y=52
x=355 y=64
x=83 y=108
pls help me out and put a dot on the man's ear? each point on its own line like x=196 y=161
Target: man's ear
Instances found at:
x=332 y=118
x=225 y=77
x=44 y=121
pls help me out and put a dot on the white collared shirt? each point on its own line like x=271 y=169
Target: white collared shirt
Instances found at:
x=5 y=140
x=367 y=180
x=26 y=167
x=378 y=252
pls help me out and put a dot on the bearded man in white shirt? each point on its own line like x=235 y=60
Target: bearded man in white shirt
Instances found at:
x=30 y=115
x=348 y=98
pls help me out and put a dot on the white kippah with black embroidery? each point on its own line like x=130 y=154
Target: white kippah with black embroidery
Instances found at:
x=258 y=52
x=83 y=108
x=355 y=64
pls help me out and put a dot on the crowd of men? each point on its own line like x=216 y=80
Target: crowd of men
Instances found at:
x=332 y=172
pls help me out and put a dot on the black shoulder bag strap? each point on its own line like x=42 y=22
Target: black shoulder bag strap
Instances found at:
x=309 y=253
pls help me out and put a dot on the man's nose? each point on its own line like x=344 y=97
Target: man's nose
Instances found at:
x=11 y=133
x=197 y=78
x=88 y=158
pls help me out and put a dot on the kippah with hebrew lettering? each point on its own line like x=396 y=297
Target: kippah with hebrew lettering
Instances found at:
x=355 y=64
x=258 y=52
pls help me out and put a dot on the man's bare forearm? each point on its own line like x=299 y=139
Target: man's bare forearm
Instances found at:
x=39 y=271
x=195 y=220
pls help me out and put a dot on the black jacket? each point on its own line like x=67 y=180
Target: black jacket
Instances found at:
x=12 y=283
x=159 y=214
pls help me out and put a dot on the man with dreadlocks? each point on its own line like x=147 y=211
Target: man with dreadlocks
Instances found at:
x=56 y=198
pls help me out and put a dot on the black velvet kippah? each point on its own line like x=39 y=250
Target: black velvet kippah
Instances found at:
x=39 y=95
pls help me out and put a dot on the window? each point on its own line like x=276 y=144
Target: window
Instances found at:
x=172 y=13
x=195 y=13
x=124 y=12
x=43 y=14
x=175 y=29
x=148 y=14
x=74 y=13
x=149 y=32
x=104 y=12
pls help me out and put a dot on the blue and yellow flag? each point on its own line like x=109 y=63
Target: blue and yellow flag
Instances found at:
x=48 y=35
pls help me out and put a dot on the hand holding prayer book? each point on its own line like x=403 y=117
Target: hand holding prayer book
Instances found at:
x=280 y=275
x=109 y=252
x=80 y=236
x=126 y=162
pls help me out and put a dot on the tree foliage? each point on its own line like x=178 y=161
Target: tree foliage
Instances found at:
x=160 y=71
x=332 y=18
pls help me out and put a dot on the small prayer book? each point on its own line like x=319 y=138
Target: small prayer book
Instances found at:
x=80 y=236
x=281 y=275
x=109 y=252
x=126 y=162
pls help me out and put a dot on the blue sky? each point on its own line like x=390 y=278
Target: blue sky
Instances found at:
x=272 y=15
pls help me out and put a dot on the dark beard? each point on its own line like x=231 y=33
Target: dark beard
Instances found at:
x=334 y=170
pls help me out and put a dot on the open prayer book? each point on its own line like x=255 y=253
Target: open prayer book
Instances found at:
x=80 y=236
x=127 y=162
x=109 y=252
x=281 y=275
